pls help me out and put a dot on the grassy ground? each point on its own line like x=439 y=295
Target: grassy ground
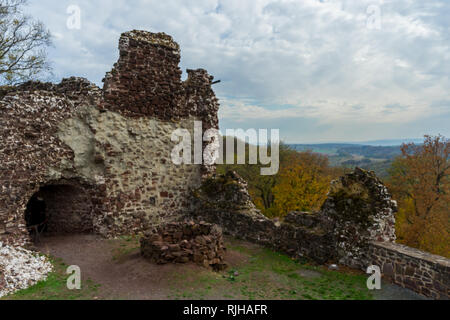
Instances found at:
x=269 y=275
x=125 y=246
x=55 y=287
x=255 y=273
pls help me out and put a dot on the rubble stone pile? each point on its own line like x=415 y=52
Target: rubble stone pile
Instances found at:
x=20 y=269
x=181 y=242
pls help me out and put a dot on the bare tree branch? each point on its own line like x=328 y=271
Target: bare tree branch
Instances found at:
x=22 y=44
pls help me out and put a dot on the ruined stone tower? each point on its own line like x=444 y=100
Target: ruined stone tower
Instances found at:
x=99 y=159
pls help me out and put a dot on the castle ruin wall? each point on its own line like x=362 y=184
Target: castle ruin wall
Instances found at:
x=114 y=143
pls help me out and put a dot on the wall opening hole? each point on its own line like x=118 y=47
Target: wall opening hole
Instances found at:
x=59 y=209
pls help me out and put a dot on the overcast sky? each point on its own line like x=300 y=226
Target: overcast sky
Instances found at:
x=320 y=71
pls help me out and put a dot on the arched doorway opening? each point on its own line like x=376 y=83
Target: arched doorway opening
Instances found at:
x=59 y=209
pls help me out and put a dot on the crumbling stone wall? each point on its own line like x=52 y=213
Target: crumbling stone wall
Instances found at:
x=355 y=227
x=147 y=81
x=30 y=151
x=143 y=187
x=361 y=210
x=224 y=200
x=358 y=210
x=115 y=142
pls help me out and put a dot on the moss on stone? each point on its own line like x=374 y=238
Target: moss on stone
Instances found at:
x=353 y=201
x=221 y=185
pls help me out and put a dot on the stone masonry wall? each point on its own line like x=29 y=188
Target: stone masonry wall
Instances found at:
x=30 y=149
x=69 y=208
x=361 y=210
x=411 y=268
x=114 y=143
x=225 y=200
x=143 y=188
x=358 y=210
x=147 y=81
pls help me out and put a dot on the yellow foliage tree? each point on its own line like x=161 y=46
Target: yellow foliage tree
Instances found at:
x=302 y=185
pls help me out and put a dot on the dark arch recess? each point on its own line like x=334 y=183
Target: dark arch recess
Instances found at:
x=61 y=207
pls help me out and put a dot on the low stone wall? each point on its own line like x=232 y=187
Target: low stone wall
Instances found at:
x=305 y=234
x=289 y=236
x=181 y=242
x=224 y=200
x=411 y=268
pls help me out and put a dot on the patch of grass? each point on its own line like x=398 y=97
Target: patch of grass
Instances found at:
x=55 y=287
x=270 y=275
x=127 y=245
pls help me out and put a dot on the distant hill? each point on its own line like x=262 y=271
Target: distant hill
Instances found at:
x=325 y=148
x=377 y=152
x=391 y=142
x=331 y=149
x=370 y=157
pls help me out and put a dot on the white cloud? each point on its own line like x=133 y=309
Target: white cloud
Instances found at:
x=307 y=59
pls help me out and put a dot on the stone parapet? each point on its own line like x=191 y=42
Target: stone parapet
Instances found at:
x=420 y=271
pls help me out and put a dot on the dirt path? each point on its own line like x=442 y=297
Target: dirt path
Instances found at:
x=118 y=267
x=133 y=278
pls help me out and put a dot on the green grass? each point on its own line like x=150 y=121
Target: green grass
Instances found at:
x=128 y=245
x=55 y=288
x=270 y=275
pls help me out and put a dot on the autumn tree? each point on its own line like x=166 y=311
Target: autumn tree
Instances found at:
x=22 y=44
x=260 y=186
x=420 y=181
x=303 y=183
